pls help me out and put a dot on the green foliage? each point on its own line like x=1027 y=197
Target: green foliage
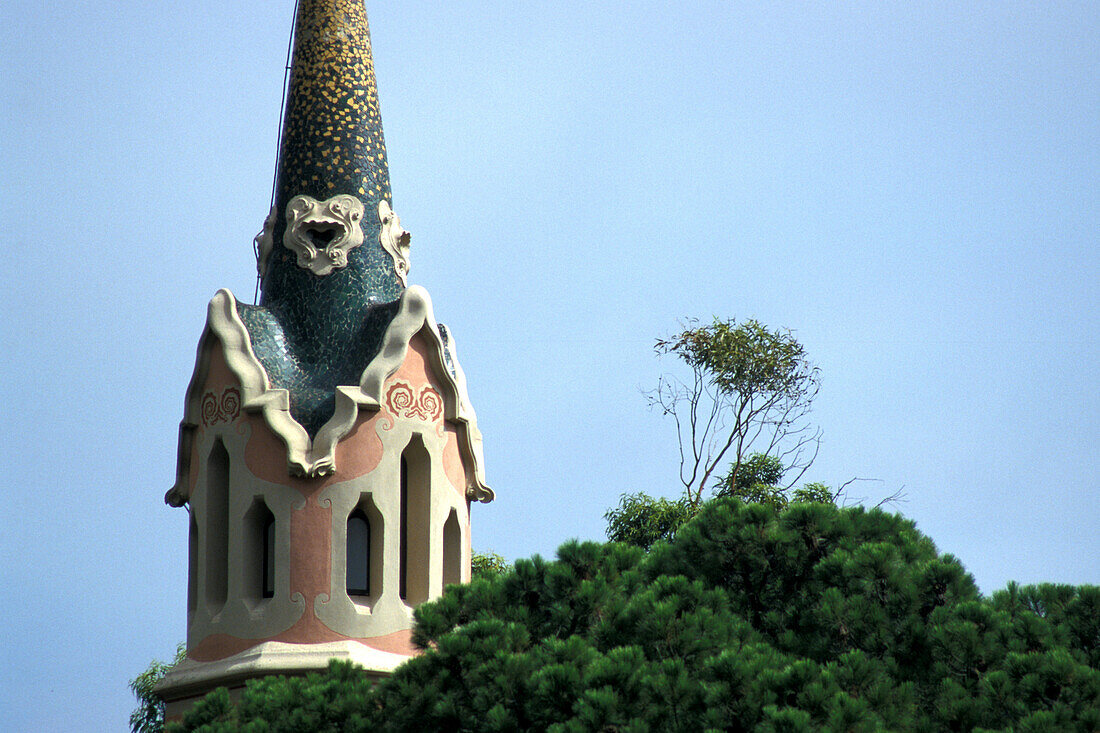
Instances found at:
x=148 y=716
x=746 y=359
x=813 y=492
x=749 y=618
x=317 y=702
x=758 y=480
x=759 y=468
x=1073 y=613
x=338 y=700
x=487 y=565
x=750 y=390
x=641 y=520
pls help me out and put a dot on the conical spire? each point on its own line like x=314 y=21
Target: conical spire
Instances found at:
x=326 y=272
x=332 y=146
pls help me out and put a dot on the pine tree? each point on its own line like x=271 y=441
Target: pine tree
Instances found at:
x=751 y=618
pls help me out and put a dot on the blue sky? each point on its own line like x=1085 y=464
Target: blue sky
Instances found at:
x=912 y=189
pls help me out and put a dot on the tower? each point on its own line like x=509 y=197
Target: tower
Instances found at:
x=328 y=454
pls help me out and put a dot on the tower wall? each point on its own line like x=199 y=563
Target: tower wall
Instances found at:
x=238 y=474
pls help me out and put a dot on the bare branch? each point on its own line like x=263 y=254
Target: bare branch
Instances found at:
x=749 y=387
x=898 y=497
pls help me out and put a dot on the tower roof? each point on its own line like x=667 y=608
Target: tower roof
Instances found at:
x=332 y=255
x=332 y=146
x=332 y=141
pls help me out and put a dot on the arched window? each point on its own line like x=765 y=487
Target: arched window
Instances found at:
x=452 y=551
x=192 y=563
x=217 y=527
x=414 y=524
x=258 y=559
x=358 y=554
x=403 y=539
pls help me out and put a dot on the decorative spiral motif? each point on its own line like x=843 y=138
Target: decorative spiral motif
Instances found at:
x=227 y=409
x=404 y=402
x=230 y=407
x=401 y=399
x=431 y=403
x=209 y=409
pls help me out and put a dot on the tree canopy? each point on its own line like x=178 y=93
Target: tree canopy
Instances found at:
x=642 y=520
x=759 y=480
x=752 y=618
x=487 y=564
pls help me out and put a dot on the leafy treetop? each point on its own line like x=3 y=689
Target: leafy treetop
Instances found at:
x=750 y=390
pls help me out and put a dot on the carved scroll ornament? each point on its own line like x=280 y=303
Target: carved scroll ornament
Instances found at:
x=322 y=233
x=225 y=409
x=395 y=240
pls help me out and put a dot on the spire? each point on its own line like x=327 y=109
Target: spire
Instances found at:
x=332 y=251
x=332 y=167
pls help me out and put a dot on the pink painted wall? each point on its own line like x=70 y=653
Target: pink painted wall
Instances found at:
x=311 y=530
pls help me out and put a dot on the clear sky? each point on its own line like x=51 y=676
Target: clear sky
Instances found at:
x=912 y=188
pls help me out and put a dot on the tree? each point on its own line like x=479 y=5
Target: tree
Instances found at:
x=751 y=618
x=755 y=480
x=759 y=468
x=759 y=479
x=148 y=716
x=642 y=520
x=487 y=564
x=750 y=391
x=339 y=700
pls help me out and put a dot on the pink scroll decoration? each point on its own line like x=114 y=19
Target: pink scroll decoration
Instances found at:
x=227 y=408
x=404 y=402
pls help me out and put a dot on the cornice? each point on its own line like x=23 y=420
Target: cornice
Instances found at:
x=315 y=458
x=272 y=657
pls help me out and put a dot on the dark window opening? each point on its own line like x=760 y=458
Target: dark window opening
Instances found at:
x=415 y=524
x=358 y=554
x=403 y=552
x=192 y=563
x=452 y=551
x=268 y=567
x=217 y=526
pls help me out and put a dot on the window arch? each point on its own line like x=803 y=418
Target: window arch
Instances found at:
x=364 y=549
x=267 y=560
x=259 y=555
x=217 y=526
x=192 y=564
x=415 y=521
x=452 y=550
x=358 y=566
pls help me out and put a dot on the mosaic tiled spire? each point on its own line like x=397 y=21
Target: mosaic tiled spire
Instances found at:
x=333 y=144
x=318 y=323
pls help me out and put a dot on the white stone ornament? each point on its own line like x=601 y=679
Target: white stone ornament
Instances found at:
x=322 y=233
x=264 y=242
x=395 y=240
